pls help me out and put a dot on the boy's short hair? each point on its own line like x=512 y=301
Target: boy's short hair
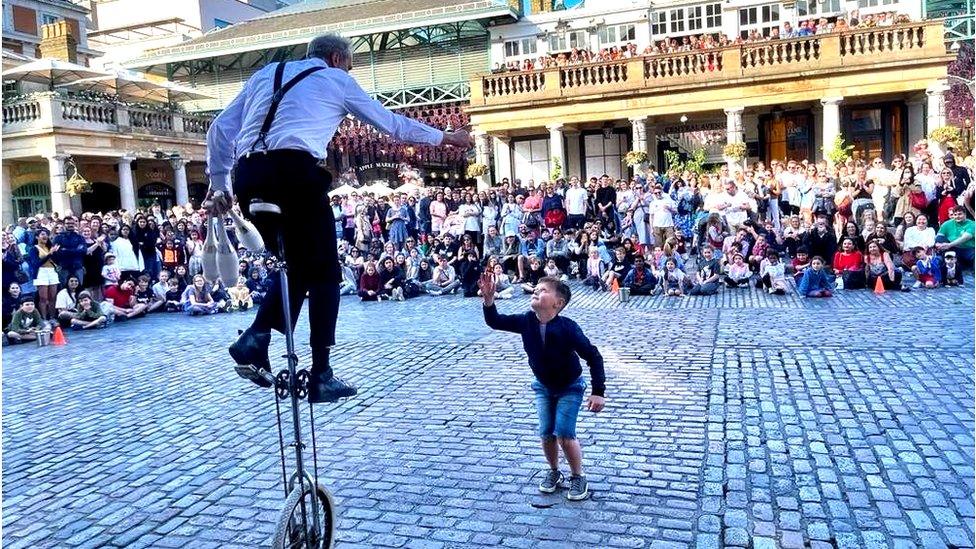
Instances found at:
x=818 y=258
x=561 y=288
x=27 y=299
x=803 y=250
x=143 y=278
x=772 y=253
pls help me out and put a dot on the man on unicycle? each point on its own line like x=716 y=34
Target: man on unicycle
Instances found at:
x=273 y=136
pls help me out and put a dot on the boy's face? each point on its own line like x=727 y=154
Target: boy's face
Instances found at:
x=163 y=277
x=801 y=257
x=545 y=299
x=27 y=307
x=816 y=264
x=84 y=303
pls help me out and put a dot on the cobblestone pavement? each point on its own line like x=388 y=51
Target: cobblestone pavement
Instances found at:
x=738 y=420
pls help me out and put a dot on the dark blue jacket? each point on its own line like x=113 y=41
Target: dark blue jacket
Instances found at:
x=554 y=362
x=73 y=249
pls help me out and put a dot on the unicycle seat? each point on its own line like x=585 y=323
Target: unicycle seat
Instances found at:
x=258 y=206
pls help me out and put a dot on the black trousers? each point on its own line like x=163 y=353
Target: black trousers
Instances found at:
x=294 y=181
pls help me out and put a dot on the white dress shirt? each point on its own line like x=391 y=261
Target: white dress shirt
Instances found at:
x=307 y=117
x=576 y=201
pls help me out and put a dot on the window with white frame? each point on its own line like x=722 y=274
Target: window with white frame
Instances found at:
x=617 y=34
x=713 y=16
x=690 y=20
x=677 y=18
x=522 y=47
x=659 y=23
x=568 y=40
x=530 y=159
x=604 y=156
x=806 y=8
x=758 y=18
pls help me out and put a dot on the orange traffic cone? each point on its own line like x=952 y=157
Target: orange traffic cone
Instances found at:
x=58 y=337
x=615 y=287
x=879 y=286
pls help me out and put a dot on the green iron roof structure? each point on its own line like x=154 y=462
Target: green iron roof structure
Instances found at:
x=405 y=52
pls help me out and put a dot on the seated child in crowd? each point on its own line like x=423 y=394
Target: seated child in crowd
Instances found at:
x=816 y=282
x=26 y=322
x=737 y=273
x=240 y=296
x=927 y=269
x=89 y=314
x=772 y=273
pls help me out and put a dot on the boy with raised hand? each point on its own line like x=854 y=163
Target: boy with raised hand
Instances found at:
x=554 y=345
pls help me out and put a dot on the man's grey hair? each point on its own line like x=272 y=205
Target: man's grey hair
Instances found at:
x=324 y=46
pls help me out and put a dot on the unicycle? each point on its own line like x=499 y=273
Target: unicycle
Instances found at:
x=307 y=519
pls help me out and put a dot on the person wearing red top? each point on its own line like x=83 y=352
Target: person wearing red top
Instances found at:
x=124 y=300
x=849 y=265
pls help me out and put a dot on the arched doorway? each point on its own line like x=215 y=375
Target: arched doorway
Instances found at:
x=31 y=198
x=103 y=198
x=156 y=192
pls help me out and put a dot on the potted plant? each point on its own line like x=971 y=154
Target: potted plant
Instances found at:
x=635 y=158
x=557 y=169
x=477 y=170
x=838 y=152
x=734 y=152
x=942 y=139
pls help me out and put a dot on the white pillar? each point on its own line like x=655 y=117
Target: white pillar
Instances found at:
x=6 y=194
x=127 y=189
x=936 y=106
x=503 y=158
x=60 y=201
x=179 y=178
x=831 y=121
x=638 y=134
x=556 y=149
x=733 y=124
x=916 y=121
x=482 y=155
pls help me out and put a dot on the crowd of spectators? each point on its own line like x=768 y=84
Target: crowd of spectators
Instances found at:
x=704 y=42
x=790 y=226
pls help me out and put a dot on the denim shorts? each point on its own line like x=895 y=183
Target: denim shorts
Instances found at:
x=558 y=409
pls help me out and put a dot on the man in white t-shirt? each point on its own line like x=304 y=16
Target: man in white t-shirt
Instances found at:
x=661 y=208
x=735 y=206
x=576 y=198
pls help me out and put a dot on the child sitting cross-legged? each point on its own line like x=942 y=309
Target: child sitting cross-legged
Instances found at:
x=816 y=281
x=89 y=314
x=26 y=322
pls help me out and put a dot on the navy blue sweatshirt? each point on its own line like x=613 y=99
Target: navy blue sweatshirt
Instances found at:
x=555 y=363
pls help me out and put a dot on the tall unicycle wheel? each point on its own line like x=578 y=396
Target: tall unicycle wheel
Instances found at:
x=306 y=521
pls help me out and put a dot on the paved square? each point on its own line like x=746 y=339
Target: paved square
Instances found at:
x=740 y=419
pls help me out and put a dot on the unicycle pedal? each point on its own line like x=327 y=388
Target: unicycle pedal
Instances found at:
x=254 y=374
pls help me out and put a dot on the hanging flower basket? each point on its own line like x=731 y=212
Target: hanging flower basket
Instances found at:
x=734 y=151
x=947 y=135
x=477 y=170
x=76 y=184
x=635 y=158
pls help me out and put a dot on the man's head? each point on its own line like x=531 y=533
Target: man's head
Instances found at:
x=70 y=223
x=335 y=50
x=551 y=295
x=958 y=214
x=638 y=261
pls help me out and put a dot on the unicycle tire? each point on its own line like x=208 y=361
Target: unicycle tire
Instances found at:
x=289 y=533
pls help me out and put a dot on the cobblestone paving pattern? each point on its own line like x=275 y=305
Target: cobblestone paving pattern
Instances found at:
x=737 y=420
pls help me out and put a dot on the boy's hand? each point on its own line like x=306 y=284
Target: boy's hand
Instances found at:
x=595 y=403
x=486 y=283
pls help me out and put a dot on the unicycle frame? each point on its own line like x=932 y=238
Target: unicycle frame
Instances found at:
x=300 y=479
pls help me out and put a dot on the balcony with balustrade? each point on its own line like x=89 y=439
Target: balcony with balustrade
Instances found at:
x=876 y=61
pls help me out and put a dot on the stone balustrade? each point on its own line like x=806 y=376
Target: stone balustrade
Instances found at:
x=831 y=53
x=51 y=111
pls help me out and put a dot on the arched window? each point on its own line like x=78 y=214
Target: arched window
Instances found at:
x=31 y=198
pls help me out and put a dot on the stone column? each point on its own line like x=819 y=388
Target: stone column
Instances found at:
x=6 y=192
x=831 y=121
x=482 y=155
x=127 y=188
x=556 y=149
x=916 y=121
x=60 y=201
x=733 y=124
x=936 y=117
x=638 y=134
x=179 y=179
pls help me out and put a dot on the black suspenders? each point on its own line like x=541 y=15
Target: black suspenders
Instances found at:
x=279 y=94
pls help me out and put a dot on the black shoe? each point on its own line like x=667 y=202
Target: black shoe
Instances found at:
x=328 y=389
x=250 y=352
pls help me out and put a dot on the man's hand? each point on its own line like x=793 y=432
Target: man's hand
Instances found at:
x=487 y=286
x=460 y=139
x=595 y=403
x=218 y=202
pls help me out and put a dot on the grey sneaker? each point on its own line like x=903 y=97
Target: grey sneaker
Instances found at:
x=578 y=488
x=551 y=482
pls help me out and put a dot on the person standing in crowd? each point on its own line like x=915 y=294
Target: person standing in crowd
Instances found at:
x=282 y=136
x=72 y=248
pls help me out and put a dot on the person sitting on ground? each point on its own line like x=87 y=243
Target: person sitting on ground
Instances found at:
x=595 y=270
x=848 y=265
x=504 y=289
x=258 y=285
x=559 y=386
x=444 y=279
x=878 y=264
x=123 y=300
x=557 y=250
x=25 y=323
x=532 y=276
x=347 y=286
x=220 y=296
x=145 y=295
x=708 y=277
x=197 y=299
x=927 y=269
x=552 y=270
x=737 y=273
x=957 y=234
x=162 y=286
x=951 y=271
x=800 y=263
x=640 y=280
x=816 y=281
x=772 y=273
x=66 y=301
x=618 y=269
x=369 y=283
x=673 y=280
x=174 y=296
x=510 y=254
x=392 y=278
x=469 y=274
x=11 y=302
x=240 y=296
x=89 y=315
